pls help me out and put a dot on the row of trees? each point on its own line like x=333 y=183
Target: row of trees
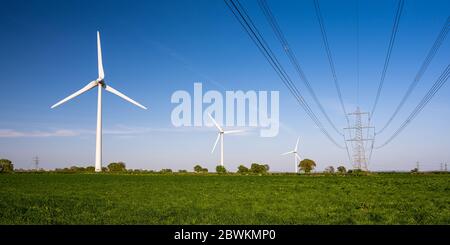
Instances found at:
x=331 y=170
x=306 y=165
x=255 y=168
x=200 y=169
x=112 y=167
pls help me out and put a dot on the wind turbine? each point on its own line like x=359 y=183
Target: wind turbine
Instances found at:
x=296 y=156
x=100 y=84
x=220 y=136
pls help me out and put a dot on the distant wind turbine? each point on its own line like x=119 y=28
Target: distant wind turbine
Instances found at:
x=296 y=156
x=220 y=136
x=101 y=84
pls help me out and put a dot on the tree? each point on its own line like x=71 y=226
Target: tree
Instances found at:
x=242 y=169
x=90 y=169
x=221 y=169
x=182 y=171
x=307 y=165
x=341 y=170
x=414 y=170
x=258 y=168
x=357 y=172
x=166 y=171
x=198 y=168
x=267 y=167
x=117 y=167
x=329 y=169
x=6 y=166
x=204 y=170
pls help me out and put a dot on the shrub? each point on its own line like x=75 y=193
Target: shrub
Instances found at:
x=258 y=168
x=166 y=171
x=221 y=169
x=341 y=170
x=116 y=167
x=198 y=169
x=357 y=172
x=6 y=166
x=242 y=169
x=182 y=171
x=329 y=170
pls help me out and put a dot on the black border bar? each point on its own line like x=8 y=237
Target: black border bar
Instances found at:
x=278 y=233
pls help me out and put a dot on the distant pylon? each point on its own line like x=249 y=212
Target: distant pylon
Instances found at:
x=417 y=166
x=358 y=135
x=36 y=162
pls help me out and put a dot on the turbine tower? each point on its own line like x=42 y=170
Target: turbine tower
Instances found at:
x=296 y=156
x=100 y=84
x=220 y=136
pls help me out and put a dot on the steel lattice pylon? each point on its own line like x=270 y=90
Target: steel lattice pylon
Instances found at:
x=358 y=136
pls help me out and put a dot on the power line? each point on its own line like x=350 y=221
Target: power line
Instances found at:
x=437 y=43
x=430 y=94
x=333 y=70
x=357 y=52
x=293 y=59
x=388 y=55
x=330 y=57
x=252 y=31
x=240 y=13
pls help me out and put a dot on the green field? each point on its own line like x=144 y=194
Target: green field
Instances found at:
x=176 y=199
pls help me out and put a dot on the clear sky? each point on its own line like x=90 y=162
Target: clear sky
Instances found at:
x=153 y=48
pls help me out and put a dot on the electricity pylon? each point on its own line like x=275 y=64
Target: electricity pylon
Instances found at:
x=36 y=162
x=360 y=134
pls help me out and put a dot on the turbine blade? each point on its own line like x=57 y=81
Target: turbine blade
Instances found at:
x=112 y=90
x=101 y=73
x=215 y=144
x=84 y=89
x=215 y=123
x=233 y=131
x=296 y=145
x=286 y=153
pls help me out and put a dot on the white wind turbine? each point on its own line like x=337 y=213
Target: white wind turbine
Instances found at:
x=296 y=156
x=100 y=83
x=220 y=136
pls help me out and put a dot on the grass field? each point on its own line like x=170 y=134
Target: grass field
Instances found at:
x=177 y=199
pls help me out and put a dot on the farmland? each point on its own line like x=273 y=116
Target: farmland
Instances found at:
x=52 y=198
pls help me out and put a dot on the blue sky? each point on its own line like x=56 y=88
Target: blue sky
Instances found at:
x=153 y=48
